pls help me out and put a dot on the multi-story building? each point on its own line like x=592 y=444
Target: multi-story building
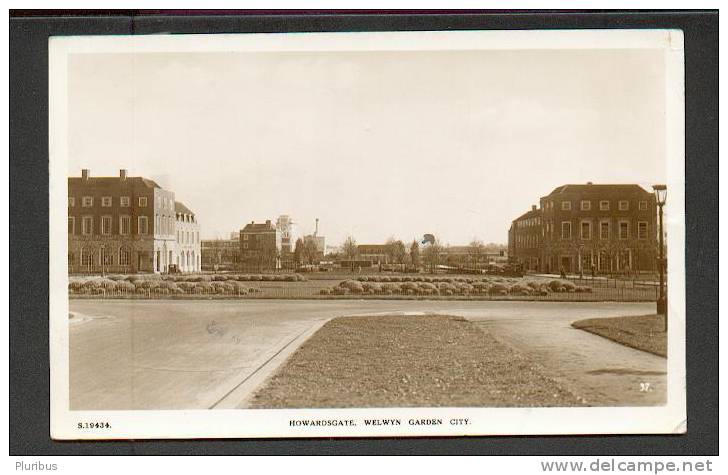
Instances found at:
x=288 y=231
x=120 y=224
x=188 y=257
x=260 y=246
x=221 y=254
x=525 y=239
x=585 y=228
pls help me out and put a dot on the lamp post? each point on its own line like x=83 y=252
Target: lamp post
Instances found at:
x=660 y=197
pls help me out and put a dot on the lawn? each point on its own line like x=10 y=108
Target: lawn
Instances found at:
x=408 y=361
x=645 y=332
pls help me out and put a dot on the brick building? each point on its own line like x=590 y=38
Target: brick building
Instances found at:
x=525 y=239
x=120 y=224
x=611 y=228
x=260 y=246
x=221 y=254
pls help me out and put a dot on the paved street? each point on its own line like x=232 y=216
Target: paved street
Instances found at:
x=142 y=354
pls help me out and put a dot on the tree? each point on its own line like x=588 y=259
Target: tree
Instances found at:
x=415 y=254
x=396 y=251
x=432 y=254
x=298 y=251
x=476 y=251
x=350 y=249
x=310 y=251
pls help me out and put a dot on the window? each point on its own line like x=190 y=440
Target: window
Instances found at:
x=124 y=201
x=142 y=201
x=87 y=202
x=107 y=258
x=143 y=225
x=604 y=205
x=87 y=257
x=106 y=225
x=245 y=237
x=642 y=230
x=623 y=205
x=71 y=259
x=623 y=230
x=124 y=256
x=643 y=206
x=586 y=229
x=245 y=245
x=87 y=225
x=585 y=205
x=124 y=225
x=71 y=201
x=566 y=205
x=71 y=225
x=566 y=230
x=604 y=230
x=106 y=201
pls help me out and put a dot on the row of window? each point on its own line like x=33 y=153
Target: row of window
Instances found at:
x=529 y=222
x=585 y=231
x=188 y=237
x=529 y=240
x=604 y=205
x=106 y=257
x=107 y=201
x=87 y=225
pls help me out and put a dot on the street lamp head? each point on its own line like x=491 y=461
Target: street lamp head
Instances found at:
x=660 y=194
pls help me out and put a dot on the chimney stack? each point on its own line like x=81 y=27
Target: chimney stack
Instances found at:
x=122 y=174
x=267 y=221
x=533 y=207
x=315 y=233
x=85 y=173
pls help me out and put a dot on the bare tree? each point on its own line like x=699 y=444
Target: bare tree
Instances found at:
x=432 y=254
x=396 y=251
x=414 y=254
x=349 y=249
x=476 y=249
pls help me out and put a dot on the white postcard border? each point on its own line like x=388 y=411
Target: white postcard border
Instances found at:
x=252 y=423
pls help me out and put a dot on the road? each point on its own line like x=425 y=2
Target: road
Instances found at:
x=142 y=354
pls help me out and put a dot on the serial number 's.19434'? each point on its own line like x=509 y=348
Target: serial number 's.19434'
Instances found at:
x=93 y=425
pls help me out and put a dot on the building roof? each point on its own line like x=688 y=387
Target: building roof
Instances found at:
x=529 y=214
x=180 y=207
x=259 y=227
x=580 y=188
x=372 y=248
x=111 y=180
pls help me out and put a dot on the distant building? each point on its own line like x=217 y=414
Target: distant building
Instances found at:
x=471 y=257
x=374 y=253
x=120 y=224
x=260 y=246
x=317 y=240
x=288 y=231
x=221 y=254
x=187 y=255
x=577 y=228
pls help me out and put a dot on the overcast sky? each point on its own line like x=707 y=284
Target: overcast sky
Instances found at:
x=375 y=144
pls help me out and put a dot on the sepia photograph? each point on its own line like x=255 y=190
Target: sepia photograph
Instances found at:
x=367 y=234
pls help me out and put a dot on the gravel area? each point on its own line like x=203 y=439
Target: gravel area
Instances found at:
x=644 y=332
x=408 y=361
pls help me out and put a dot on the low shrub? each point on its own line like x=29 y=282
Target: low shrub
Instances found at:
x=498 y=289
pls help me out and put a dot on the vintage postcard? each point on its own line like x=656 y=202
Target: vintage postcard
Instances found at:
x=367 y=234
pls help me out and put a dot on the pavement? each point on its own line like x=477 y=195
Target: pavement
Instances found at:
x=142 y=354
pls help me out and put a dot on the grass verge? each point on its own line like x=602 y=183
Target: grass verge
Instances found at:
x=408 y=361
x=644 y=332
